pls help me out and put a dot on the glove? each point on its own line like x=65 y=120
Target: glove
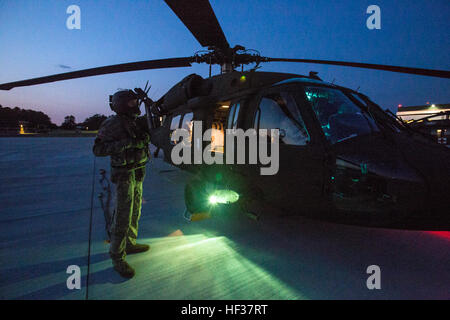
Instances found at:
x=142 y=95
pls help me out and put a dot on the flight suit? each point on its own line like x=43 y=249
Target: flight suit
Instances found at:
x=125 y=140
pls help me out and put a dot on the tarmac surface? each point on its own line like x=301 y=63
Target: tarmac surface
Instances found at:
x=45 y=206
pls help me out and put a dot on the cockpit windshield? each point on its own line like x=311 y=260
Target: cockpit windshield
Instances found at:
x=341 y=119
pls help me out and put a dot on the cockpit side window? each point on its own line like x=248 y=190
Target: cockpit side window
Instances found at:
x=339 y=116
x=279 y=111
x=236 y=115
x=233 y=116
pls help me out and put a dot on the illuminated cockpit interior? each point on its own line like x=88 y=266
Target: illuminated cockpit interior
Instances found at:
x=340 y=117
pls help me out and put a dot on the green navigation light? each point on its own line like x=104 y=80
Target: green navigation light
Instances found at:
x=223 y=197
x=213 y=199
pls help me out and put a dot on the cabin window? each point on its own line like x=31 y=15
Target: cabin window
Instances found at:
x=279 y=111
x=188 y=124
x=340 y=118
x=187 y=121
x=217 y=137
x=175 y=124
x=223 y=115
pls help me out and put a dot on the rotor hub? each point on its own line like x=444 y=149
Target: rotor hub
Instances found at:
x=230 y=58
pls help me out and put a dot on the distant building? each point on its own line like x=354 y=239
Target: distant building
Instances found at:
x=430 y=119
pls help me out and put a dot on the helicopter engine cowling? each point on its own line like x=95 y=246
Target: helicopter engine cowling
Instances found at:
x=190 y=87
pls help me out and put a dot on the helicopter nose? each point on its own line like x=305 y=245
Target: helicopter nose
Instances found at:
x=432 y=163
x=437 y=215
x=406 y=183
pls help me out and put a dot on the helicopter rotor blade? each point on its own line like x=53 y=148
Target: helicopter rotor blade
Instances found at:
x=199 y=17
x=124 y=67
x=416 y=71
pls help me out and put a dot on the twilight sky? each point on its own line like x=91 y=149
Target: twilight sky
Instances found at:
x=34 y=41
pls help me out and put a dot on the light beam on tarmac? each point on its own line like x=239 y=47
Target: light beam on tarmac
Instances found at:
x=194 y=267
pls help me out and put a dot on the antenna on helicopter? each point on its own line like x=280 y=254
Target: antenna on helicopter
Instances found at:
x=314 y=75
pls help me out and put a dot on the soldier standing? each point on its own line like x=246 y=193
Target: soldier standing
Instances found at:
x=124 y=138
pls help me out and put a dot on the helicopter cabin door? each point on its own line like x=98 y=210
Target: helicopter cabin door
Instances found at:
x=299 y=183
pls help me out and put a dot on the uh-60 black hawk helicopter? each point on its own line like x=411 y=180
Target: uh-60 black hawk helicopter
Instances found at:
x=341 y=157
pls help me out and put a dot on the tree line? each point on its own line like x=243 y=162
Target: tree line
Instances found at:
x=38 y=120
x=91 y=123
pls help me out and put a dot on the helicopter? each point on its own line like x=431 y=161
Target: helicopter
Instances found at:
x=342 y=158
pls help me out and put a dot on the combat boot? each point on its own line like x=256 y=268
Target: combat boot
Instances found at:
x=123 y=268
x=137 y=248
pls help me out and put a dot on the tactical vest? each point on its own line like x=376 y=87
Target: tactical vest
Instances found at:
x=114 y=131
